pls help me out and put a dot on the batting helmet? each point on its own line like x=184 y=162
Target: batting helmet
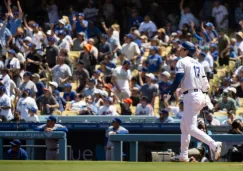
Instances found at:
x=189 y=46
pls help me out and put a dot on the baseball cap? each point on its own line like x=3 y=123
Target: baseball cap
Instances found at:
x=127 y=62
x=213 y=45
x=31 y=45
x=145 y=98
x=97 y=71
x=27 y=74
x=117 y=120
x=12 y=51
x=32 y=110
x=81 y=33
x=150 y=75
x=203 y=54
x=189 y=46
x=128 y=100
x=130 y=36
x=52 y=118
x=166 y=73
x=240 y=34
x=178 y=41
x=97 y=91
x=53 y=83
x=35 y=25
x=51 y=39
x=104 y=93
x=81 y=14
x=68 y=85
x=209 y=24
x=155 y=48
x=48 y=32
x=163 y=111
x=62 y=33
x=108 y=99
x=16 y=13
x=179 y=32
x=137 y=33
x=80 y=62
x=27 y=90
x=92 y=80
x=62 y=21
x=241 y=80
x=28 y=38
x=104 y=36
x=15 y=142
x=2 y=88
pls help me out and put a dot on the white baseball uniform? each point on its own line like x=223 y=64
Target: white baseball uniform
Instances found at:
x=194 y=100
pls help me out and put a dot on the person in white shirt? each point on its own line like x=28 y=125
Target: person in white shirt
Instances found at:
x=186 y=16
x=176 y=110
x=220 y=13
x=130 y=49
x=52 y=10
x=6 y=80
x=204 y=63
x=38 y=36
x=108 y=109
x=210 y=120
x=148 y=27
x=62 y=43
x=143 y=108
x=5 y=104
x=33 y=117
x=239 y=44
x=12 y=62
x=13 y=90
x=25 y=103
x=121 y=79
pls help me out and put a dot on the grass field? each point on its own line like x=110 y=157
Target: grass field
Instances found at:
x=115 y=166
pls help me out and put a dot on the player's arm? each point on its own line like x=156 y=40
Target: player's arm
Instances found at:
x=61 y=128
x=176 y=83
x=181 y=5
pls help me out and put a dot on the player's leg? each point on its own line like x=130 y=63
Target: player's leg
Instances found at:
x=185 y=141
x=196 y=103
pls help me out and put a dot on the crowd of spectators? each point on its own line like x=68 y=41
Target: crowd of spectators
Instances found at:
x=80 y=64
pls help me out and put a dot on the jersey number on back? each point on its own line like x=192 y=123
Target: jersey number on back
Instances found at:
x=197 y=71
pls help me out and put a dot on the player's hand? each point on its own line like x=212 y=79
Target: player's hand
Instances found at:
x=74 y=18
x=167 y=97
x=48 y=130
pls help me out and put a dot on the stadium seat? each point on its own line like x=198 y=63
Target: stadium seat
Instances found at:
x=220 y=113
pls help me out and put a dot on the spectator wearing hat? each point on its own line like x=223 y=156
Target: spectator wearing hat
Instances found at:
x=116 y=128
x=204 y=63
x=5 y=104
x=186 y=15
x=37 y=36
x=28 y=84
x=15 y=18
x=60 y=100
x=16 y=152
x=130 y=49
x=164 y=85
x=155 y=60
x=125 y=107
x=148 y=27
x=32 y=63
x=164 y=117
x=76 y=104
x=239 y=89
x=61 y=72
x=149 y=89
x=5 y=80
x=86 y=57
x=121 y=79
x=52 y=145
x=68 y=95
x=33 y=117
x=26 y=102
x=90 y=12
x=135 y=19
x=80 y=24
x=108 y=108
x=52 y=10
x=51 y=52
x=48 y=103
x=79 y=42
x=39 y=85
x=62 y=43
x=136 y=37
x=89 y=91
x=13 y=65
x=223 y=48
x=225 y=103
x=210 y=32
x=59 y=26
x=233 y=55
x=208 y=57
x=214 y=51
x=162 y=37
x=220 y=14
x=81 y=75
x=104 y=47
x=144 y=108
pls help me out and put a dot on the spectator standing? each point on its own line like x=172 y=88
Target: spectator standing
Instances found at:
x=81 y=76
x=220 y=14
x=62 y=43
x=25 y=103
x=148 y=27
x=79 y=25
x=16 y=152
x=135 y=19
x=239 y=12
x=121 y=79
x=52 y=150
x=90 y=12
x=32 y=63
x=149 y=89
x=52 y=11
x=51 y=52
x=79 y=42
x=223 y=48
x=5 y=80
x=239 y=89
x=108 y=11
x=5 y=104
x=130 y=49
x=154 y=60
x=28 y=84
x=39 y=84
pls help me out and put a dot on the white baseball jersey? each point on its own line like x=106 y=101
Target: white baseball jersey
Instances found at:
x=23 y=106
x=147 y=110
x=6 y=82
x=109 y=111
x=194 y=75
x=120 y=130
x=6 y=102
x=34 y=118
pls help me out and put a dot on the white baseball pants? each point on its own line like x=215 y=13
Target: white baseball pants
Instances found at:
x=193 y=103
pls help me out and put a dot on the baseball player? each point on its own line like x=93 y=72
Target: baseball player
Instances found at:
x=190 y=74
x=52 y=146
x=114 y=129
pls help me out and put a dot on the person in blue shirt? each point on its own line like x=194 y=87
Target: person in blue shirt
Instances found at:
x=60 y=100
x=135 y=19
x=154 y=60
x=81 y=24
x=233 y=55
x=214 y=51
x=39 y=84
x=108 y=63
x=68 y=95
x=164 y=85
x=136 y=36
x=72 y=13
x=92 y=31
x=16 y=152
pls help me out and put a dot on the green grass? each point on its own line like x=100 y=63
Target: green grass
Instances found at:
x=115 y=166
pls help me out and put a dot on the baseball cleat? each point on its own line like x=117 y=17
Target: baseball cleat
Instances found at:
x=217 y=152
x=178 y=159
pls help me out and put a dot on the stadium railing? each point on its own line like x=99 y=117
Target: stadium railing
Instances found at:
x=30 y=136
x=133 y=140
